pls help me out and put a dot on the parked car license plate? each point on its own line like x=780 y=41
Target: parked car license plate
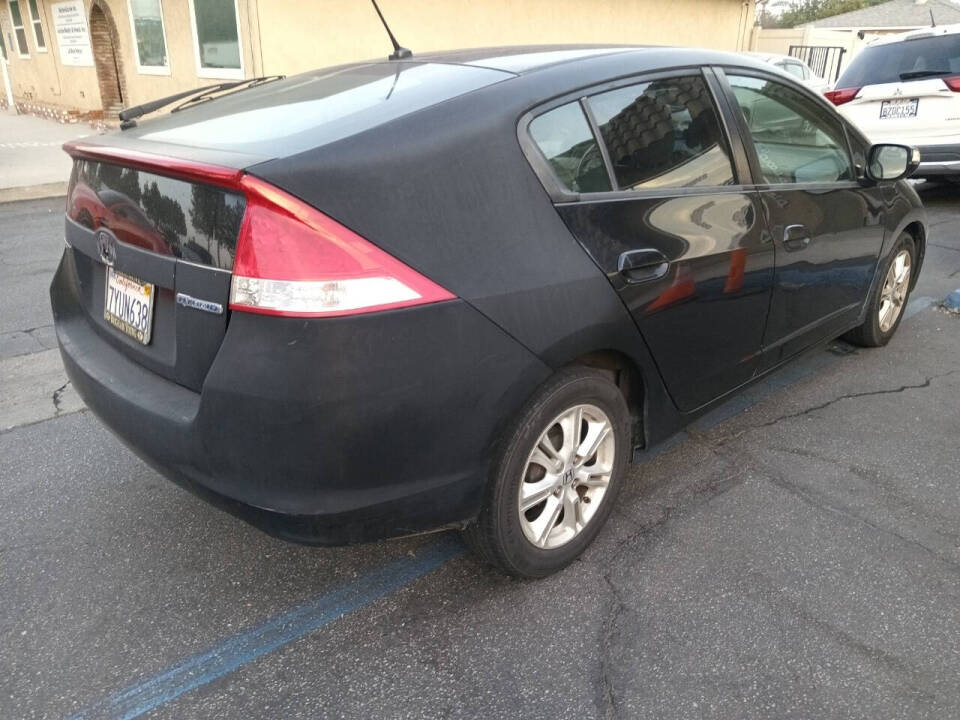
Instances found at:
x=128 y=305
x=907 y=107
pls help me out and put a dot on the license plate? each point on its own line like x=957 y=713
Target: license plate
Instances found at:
x=905 y=108
x=128 y=305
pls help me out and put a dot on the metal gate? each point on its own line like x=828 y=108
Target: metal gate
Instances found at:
x=824 y=60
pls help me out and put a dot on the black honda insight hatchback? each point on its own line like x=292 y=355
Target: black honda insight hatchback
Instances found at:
x=461 y=290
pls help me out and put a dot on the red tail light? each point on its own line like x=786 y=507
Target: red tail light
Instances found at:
x=953 y=83
x=839 y=97
x=292 y=259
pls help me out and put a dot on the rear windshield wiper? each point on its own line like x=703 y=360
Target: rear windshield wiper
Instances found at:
x=202 y=93
x=913 y=74
x=209 y=93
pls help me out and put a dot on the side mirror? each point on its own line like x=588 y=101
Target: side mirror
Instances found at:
x=892 y=162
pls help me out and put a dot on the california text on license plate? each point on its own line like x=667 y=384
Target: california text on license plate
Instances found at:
x=899 y=108
x=128 y=305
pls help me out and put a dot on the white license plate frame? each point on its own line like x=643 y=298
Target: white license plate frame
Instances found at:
x=129 y=307
x=899 y=109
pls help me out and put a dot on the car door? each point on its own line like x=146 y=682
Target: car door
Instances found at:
x=660 y=203
x=826 y=227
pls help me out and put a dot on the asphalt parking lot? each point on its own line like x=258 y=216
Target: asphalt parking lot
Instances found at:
x=795 y=554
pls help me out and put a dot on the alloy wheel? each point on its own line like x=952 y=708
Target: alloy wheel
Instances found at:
x=566 y=476
x=894 y=292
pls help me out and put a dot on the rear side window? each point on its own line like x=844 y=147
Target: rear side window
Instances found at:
x=663 y=134
x=796 y=141
x=564 y=137
x=908 y=60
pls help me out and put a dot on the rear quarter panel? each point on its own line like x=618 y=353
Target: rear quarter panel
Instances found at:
x=448 y=191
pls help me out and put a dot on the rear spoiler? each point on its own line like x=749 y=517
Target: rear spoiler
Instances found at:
x=179 y=168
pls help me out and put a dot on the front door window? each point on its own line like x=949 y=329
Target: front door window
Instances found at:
x=796 y=141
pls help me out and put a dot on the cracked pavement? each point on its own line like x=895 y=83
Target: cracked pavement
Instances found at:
x=795 y=554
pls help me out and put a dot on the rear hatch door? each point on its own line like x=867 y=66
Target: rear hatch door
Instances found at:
x=906 y=110
x=153 y=257
x=154 y=223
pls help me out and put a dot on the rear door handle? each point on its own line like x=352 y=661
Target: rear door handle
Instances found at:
x=643 y=265
x=795 y=237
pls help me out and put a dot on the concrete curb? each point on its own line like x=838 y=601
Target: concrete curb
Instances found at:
x=33 y=192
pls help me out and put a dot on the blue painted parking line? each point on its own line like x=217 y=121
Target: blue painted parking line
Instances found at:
x=145 y=695
x=917 y=305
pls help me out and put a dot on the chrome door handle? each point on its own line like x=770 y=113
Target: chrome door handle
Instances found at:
x=643 y=265
x=795 y=237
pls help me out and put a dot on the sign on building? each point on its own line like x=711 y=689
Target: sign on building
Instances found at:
x=73 y=37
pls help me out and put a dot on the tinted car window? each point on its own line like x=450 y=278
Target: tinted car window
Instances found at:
x=564 y=137
x=306 y=111
x=190 y=221
x=910 y=59
x=796 y=141
x=663 y=133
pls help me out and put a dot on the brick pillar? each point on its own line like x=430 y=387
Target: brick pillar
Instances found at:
x=107 y=57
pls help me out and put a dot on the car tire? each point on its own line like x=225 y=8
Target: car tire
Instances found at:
x=531 y=543
x=889 y=296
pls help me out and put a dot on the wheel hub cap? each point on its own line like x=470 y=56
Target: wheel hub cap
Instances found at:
x=566 y=476
x=894 y=291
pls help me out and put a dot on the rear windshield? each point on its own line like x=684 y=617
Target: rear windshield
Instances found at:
x=908 y=60
x=190 y=221
x=305 y=111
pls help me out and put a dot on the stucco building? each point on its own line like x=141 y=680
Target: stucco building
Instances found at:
x=70 y=58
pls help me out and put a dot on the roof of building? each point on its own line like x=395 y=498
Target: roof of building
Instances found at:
x=895 y=14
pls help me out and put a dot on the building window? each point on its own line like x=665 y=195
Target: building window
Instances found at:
x=18 y=31
x=37 y=26
x=216 y=38
x=3 y=47
x=146 y=19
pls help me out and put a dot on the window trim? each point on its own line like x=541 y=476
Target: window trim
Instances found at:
x=561 y=195
x=15 y=27
x=34 y=21
x=601 y=145
x=747 y=139
x=554 y=186
x=217 y=73
x=150 y=69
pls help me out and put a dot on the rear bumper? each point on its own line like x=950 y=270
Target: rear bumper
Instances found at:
x=939 y=160
x=328 y=431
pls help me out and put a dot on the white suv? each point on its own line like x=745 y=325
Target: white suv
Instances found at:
x=906 y=89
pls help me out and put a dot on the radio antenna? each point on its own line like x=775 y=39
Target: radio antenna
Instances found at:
x=399 y=53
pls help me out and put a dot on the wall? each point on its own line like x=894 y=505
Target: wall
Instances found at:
x=290 y=36
x=332 y=31
x=44 y=85
x=41 y=79
x=777 y=40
